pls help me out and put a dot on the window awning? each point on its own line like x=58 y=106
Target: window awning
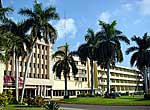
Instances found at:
x=10 y=80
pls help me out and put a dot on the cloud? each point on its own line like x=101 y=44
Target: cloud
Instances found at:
x=66 y=28
x=47 y=3
x=76 y=46
x=144 y=6
x=105 y=16
x=137 y=21
x=127 y=7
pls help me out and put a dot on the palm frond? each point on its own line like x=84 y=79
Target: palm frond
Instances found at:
x=124 y=39
x=27 y=12
x=134 y=58
x=131 y=49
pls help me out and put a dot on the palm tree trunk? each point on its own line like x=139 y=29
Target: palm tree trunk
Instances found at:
x=145 y=80
x=92 y=77
x=1 y=4
x=27 y=68
x=17 y=74
x=108 y=78
x=66 y=95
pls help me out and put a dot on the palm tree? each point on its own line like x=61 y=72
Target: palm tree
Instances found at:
x=109 y=47
x=3 y=12
x=140 y=56
x=87 y=51
x=63 y=65
x=38 y=21
x=17 y=38
x=3 y=35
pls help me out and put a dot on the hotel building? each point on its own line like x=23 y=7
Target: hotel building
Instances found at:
x=42 y=81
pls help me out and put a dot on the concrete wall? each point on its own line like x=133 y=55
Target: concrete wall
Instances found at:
x=1 y=76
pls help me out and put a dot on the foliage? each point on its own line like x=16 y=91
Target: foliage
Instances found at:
x=147 y=96
x=109 y=47
x=141 y=53
x=10 y=96
x=52 y=105
x=3 y=100
x=86 y=95
x=35 y=101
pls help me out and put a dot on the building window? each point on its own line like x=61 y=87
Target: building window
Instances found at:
x=5 y=72
x=21 y=75
x=42 y=75
x=10 y=62
x=34 y=65
x=42 y=47
x=85 y=79
x=34 y=54
x=42 y=56
x=46 y=57
x=46 y=47
x=45 y=66
x=46 y=76
x=38 y=55
x=34 y=75
x=38 y=65
x=29 y=75
x=42 y=66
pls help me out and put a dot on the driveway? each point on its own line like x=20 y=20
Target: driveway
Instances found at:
x=100 y=107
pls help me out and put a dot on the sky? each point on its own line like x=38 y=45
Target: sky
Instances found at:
x=76 y=16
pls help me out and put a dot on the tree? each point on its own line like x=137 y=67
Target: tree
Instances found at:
x=140 y=56
x=108 y=51
x=17 y=39
x=87 y=51
x=4 y=42
x=38 y=21
x=3 y=12
x=63 y=65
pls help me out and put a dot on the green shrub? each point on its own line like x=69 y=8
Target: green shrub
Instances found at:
x=52 y=105
x=147 y=96
x=38 y=101
x=35 y=101
x=3 y=99
x=29 y=101
x=90 y=95
x=86 y=95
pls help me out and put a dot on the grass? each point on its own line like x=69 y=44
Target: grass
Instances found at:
x=123 y=100
x=22 y=107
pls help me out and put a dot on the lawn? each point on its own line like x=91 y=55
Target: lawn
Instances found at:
x=22 y=107
x=123 y=100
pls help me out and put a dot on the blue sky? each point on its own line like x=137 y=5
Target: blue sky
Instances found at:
x=76 y=16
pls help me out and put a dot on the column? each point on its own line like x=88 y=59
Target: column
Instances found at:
x=35 y=91
x=44 y=91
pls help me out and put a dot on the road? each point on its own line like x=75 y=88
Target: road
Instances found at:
x=100 y=107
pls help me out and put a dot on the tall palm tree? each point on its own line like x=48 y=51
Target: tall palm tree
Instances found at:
x=38 y=21
x=109 y=47
x=140 y=56
x=17 y=38
x=87 y=51
x=63 y=65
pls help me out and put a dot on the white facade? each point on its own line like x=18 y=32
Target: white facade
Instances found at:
x=42 y=81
